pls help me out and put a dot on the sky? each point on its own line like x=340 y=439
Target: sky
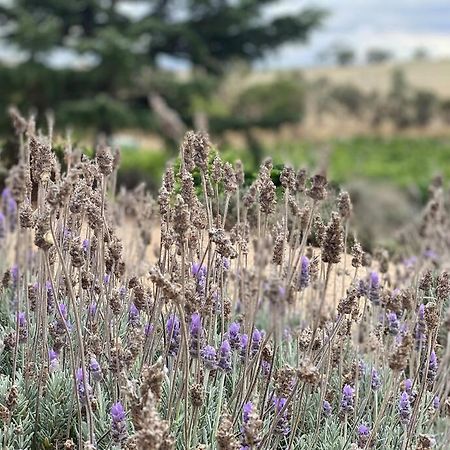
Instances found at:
x=400 y=26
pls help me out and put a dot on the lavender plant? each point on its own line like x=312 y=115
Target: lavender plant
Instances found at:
x=242 y=327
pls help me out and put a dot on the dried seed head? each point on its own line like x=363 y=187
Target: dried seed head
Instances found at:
x=42 y=160
x=357 y=254
x=287 y=178
x=333 y=245
x=345 y=206
x=229 y=178
x=225 y=435
x=104 y=159
x=239 y=170
x=217 y=170
x=318 y=189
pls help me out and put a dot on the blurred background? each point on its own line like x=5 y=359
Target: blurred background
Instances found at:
x=360 y=88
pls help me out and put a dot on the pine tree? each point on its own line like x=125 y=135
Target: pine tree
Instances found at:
x=110 y=48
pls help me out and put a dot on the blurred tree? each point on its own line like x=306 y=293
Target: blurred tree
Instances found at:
x=113 y=52
x=345 y=56
x=378 y=55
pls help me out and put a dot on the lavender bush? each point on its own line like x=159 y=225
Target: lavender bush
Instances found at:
x=256 y=322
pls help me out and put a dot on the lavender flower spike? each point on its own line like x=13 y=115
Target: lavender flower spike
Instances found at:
x=118 y=424
x=404 y=408
x=225 y=356
x=347 y=401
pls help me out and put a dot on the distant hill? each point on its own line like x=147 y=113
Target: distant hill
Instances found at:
x=427 y=74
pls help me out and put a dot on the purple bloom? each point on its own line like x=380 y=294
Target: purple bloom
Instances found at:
x=246 y=411
x=393 y=323
x=63 y=310
x=408 y=386
x=243 y=345
x=374 y=288
x=363 y=435
x=304 y=277
x=118 y=425
x=282 y=425
x=148 y=329
x=209 y=357
x=432 y=368
x=199 y=273
x=196 y=332
x=53 y=360
x=347 y=400
x=15 y=274
x=95 y=369
x=375 y=380
x=326 y=409
x=225 y=356
x=106 y=278
x=404 y=408
x=226 y=264
x=436 y=402
x=21 y=318
x=265 y=368
x=50 y=297
x=256 y=341
x=233 y=335
x=173 y=333
x=83 y=395
x=86 y=245
x=92 y=309
x=134 y=316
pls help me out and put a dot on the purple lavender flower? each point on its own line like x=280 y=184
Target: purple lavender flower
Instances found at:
x=225 y=356
x=196 y=332
x=226 y=264
x=199 y=273
x=50 y=297
x=209 y=357
x=363 y=435
x=173 y=333
x=256 y=341
x=134 y=317
x=393 y=323
x=363 y=288
x=15 y=274
x=304 y=276
x=432 y=368
x=243 y=345
x=375 y=380
x=53 y=360
x=404 y=408
x=106 y=278
x=436 y=402
x=246 y=411
x=347 y=401
x=23 y=327
x=233 y=335
x=282 y=425
x=83 y=395
x=118 y=424
x=265 y=368
x=86 y=245
x=326 y=409
x=374 y=288
x=92 y=309
x=408 y=384
x=148 y=329
x=95 y=369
